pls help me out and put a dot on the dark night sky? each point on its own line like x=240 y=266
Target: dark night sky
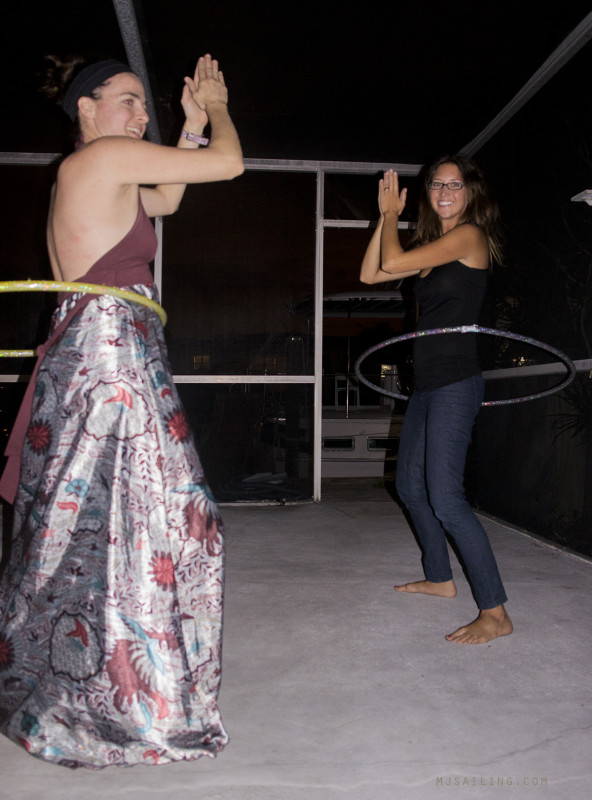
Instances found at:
x=330 y=81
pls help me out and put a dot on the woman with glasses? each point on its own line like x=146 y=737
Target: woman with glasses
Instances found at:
x=456 y=242
x=111 y=604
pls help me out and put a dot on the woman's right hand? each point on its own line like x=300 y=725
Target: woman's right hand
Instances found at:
x=390 y=200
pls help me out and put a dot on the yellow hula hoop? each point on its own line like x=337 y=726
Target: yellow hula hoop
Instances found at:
x=85 y=288
x=17 y=353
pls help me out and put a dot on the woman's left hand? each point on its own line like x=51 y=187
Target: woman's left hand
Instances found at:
x=390 y=200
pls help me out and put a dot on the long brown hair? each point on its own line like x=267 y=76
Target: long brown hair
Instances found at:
x=482 y=210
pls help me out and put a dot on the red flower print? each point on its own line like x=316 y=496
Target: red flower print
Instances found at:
x=162 y=571
x=79 y=632
x=6 y=654
x=141 y=328
x=177 y=426
x=39 y=436
x=121 y=396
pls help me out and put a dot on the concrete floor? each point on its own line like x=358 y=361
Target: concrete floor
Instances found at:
x=335 y=688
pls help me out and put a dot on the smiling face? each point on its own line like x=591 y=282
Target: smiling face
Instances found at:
x=119 y=110
x=449 y=204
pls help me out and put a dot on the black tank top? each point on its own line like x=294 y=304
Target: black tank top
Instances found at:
x=449 y=295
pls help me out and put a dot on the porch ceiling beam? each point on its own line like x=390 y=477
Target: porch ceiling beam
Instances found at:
x=568 y=48
x=130 y=33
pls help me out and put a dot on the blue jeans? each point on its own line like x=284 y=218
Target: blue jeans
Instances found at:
x=430 y=475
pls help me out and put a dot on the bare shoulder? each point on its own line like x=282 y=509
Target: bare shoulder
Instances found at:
x=93 y=156
x=474 y=244
x=468 y=232
x=88 y=177
x=85 y=190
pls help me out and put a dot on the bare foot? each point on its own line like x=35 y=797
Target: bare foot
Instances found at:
x=445 y=589
x=490 y=624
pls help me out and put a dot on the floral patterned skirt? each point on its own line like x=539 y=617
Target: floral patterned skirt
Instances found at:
x=111 y=603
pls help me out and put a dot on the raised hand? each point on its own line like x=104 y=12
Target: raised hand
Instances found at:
x=207 y=85
x=196 y=117
x=390 y=200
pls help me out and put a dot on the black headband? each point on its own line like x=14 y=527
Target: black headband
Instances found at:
x=87 y=80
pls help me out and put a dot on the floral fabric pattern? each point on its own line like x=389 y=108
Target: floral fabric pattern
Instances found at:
x=111 y=604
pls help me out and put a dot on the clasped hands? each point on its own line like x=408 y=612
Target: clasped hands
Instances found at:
x=207 y=87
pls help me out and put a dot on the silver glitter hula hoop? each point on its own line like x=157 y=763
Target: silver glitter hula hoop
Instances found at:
x=571 y=368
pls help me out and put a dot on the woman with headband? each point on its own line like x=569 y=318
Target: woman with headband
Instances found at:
x=457 y=239
x=111 y=603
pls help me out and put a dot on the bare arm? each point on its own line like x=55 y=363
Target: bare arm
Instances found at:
x=166 y=198
x=464 y=243
x=371 y=271
x=385 y=237
x=206 y=89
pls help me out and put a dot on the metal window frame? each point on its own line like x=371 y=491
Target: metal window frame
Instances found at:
x=320 y=169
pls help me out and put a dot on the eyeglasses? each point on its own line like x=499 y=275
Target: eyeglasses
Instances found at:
x=454 y=186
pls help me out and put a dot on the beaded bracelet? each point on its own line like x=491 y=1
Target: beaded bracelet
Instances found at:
x=193 y=137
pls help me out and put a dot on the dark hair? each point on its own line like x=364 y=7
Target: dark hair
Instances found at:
x=56 y=75
x=482 y=210
x=65 y=80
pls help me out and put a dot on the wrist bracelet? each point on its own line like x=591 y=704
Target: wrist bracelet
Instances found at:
x=193 y=137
